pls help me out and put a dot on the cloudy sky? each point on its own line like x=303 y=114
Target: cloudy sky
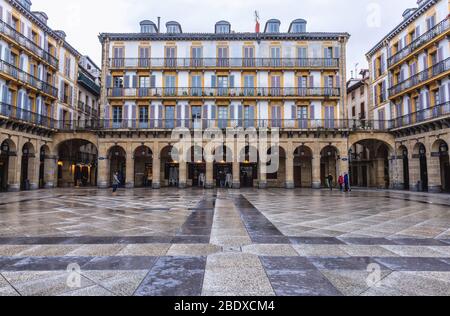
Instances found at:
x=366 y=20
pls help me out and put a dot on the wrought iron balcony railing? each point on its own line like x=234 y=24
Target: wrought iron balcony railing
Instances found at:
x=437 y=30
x=28 y=43
x=422 y=76
x=221 y=92
x=26 y=78
x=19 y=114
x=435 y=112
x=168 y=124
x=120 y=63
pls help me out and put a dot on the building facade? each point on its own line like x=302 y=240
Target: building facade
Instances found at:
x=39 y=83
x=410 y=88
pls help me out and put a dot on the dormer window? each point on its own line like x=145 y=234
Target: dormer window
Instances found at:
x=173 y=27
x=273 y=26
x=223 y=27
x=148 y=27
x=298 y=26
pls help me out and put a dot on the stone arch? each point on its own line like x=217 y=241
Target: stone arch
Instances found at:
x=8 y=165
x=77 y=163
x=28 y=171
x=117 y=157
x=143 y=166
x=62 y=137
x=403 y=162
x=388 y=139
x=303 y=156
x=329 y=164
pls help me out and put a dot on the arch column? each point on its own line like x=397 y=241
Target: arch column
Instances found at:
x=414 y=172
x=183 y=175
x=236 y=175
x=50 y=171
x=209 y=175
x=434 y=173
x=316 y=182
x=33 y=171
x=262 y=183
x=14 y=162
x=103 y=169
x=290 y=171
x=129 y=169
x=156 y=180
x=396 y=170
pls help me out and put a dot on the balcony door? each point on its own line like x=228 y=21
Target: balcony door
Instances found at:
x=222 y=57
x=196 y=82
x=276 y=116
x=275 y=56
x=329 y=116
x=302 y=117
x=249 y=116
x=223 y=117
x=117 y=116
x=169 y=85
x=249 y=56
x=118 y=59
x=223 y=84
x=143 y=116
x=196 y=56
x=302 y=55
x=169 y=116
x=171 y=56
x=249 y=85
x=275 y=86
x=302 y=86
x=196 y=115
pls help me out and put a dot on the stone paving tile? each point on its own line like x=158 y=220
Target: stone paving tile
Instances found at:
x=414 y=264
x=119 y=263
x=174 y=276
x=193 y=250
x=414 y=251
x=308 y=250
x=270 y=250
x=351 y=282
x=339 y=263
x=316 y=240
x=43 y=283
x=287 y=264
x=42 y=263
x=148 y=250
x=122 y=283
x=94 y=290
x=368 y=251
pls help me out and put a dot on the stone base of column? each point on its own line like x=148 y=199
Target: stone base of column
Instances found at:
x=129 y=185
x=103 y=185
x=182 y=185
x=236 y=185
x=262 y=185
x=290 y=185
x=209 y=186
x=49 y=185
x=316 y=185
x=156 y=185
x=13 y=187
x=398 y=186
x=435 y=189
x=413 y=188
x=34 y=186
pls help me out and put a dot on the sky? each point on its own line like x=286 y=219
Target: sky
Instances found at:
x=367 y=21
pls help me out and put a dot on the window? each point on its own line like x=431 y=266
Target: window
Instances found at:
x=249 y=55
x=353 y=111
x=117 y=116
x=196 y=85
x=222 y=28
x=353 y=95
x=67 y=67
x=171 y=56
x=143 y=114
x=223 y=117
x=273 y=28
x=170 y=85
x=302 y=116
x=431 y=22
x=275 y=83
x=362 y=90
x=298 y=28
x=275 y=55
x=170 y=116
x=363 y=111
x=302 y=85
x=249 y=85
x=222 y=56
x=173 y=29
x=196 y=56
x=118 y=57
x=249 y=116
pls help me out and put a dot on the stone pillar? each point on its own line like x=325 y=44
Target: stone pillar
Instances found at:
x=236 y=175
x=342 y=167
x=397 y=173
x=414 y=173
x=316 y=181
x=182 y=183
x=434 y=173
x=156 y=179
x=14 y=172
x=50 y=168
x=103 y=181
x=209 y=175
x=379 y=173
x=129 y=170
x=33 y=172
x=290 y=171
x=262 y=182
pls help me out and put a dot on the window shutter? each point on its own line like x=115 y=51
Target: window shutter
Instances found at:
x=213 y=111
x=251 y=115
x=135 y=81
x=152 y=116
x=205 y=116
x=72 y=96
x=5 y=94
x=22 y=28
x=448 y=92
x=417 y=32
x=440 y=54
x=70 y=119
x=338 y=81
x=127 y=82
x=425 y=62
x=133 y=112
x=186 y=115
x=153 y=81
x=428 y=99
x=9 y=18
x=232 y=114
x=441 y=94
x=231 y=81
x=178 y=115
x=213 y=81
x=312 y=113
x=337 y=52
x=293 y=112
x=61 y=91
x=108 y=81
x=22 y=63
x=325 y=53
x=311 y=81
x=125 y=112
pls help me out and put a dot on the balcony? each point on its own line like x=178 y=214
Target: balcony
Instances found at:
x=380 y=98
x=156 y=93
x=239 y=63
x=26 y=78
x=425 y=38
x=420 y=78
x=89 y=83
x=27 y=43
x=435 y=112
x=82 y=106
x=25 y=116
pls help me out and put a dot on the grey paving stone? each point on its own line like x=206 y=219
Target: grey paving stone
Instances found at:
x=414 y=264
x=287 y=264
x=353 y=263
x=120 y=263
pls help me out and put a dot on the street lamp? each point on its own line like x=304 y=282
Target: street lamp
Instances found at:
x=5 y=147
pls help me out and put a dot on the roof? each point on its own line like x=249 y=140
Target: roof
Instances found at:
x=317 y=36
x=400 y=27
x=32 y=16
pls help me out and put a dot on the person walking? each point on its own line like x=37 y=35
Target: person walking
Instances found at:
x=330 y=181
x=347 y=182
x=229 y=180
x=341 y=183
x=116 y=183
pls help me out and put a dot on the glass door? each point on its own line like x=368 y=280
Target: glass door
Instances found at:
x=249 y=57
x=170 y=60
x=196 y=116
x=169 y=117
x=223 y=117
x=302 y=116
x=222 y=57
x=222 y=82
x=275 y=56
